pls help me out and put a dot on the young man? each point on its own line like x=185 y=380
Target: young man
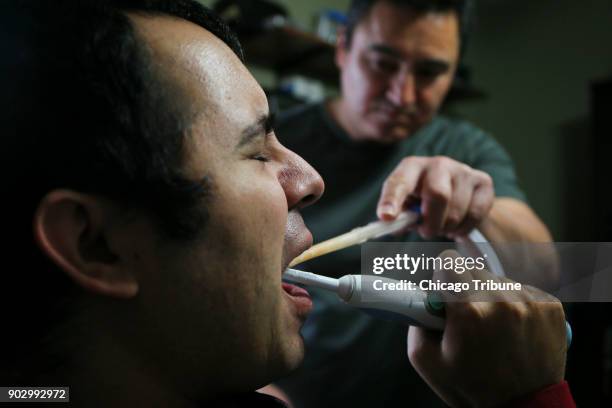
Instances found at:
x=154 y=213
x=381 y=146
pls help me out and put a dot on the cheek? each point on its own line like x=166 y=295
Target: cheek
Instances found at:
x=256 y=206
x=433 y=95
x=360 y=87
x=259 y=220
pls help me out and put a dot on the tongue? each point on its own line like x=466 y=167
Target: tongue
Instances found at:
x=295 y=290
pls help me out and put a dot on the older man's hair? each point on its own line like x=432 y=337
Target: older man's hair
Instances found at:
x=360 y=9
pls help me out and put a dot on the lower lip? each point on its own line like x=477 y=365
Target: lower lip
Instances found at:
x=299 y=297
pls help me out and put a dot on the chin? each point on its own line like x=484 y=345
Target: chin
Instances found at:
x=287 y=357
x=295 y=355
x=387 y=137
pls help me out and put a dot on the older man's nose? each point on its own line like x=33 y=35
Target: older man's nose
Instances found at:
x=402 y=90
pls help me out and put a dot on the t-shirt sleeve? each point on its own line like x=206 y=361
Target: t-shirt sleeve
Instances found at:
x=490 y=157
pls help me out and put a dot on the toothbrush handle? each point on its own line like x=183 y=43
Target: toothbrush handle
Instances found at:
x=415 y=308
x=408 y=306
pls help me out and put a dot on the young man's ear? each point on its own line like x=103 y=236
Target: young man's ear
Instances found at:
x=74 y=230
x=340 y=55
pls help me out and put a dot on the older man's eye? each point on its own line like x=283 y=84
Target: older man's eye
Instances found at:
x=428 y=73
x=383 y=65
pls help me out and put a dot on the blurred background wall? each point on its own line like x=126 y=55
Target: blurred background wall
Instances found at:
x=536 y=61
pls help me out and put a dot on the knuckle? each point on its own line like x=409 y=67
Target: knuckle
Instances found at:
x=471 y=311
x=554 y=308
x=409 y=161
x=465 y=169
x=449 y=253
x=484 y=179
x=519 y=312
x=475 y=214
x=441 y=161
x=453 y=219
x=439 y=193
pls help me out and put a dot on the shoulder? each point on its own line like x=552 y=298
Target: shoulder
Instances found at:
x=448 y=127
x=460 y=139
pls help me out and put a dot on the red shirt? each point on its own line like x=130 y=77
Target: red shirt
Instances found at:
x=553 y=396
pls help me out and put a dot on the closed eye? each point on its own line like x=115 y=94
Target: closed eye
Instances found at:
x=261 y=158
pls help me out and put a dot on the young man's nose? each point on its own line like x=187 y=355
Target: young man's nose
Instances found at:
x=302 y=184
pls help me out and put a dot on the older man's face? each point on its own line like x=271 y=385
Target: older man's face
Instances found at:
x=397 y=71
x=219 y=302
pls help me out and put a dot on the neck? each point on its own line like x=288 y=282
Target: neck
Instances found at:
x=108 y=374
x=106 y=362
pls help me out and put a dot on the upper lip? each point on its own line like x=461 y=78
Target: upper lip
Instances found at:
x=296 y=246
x=397 y=111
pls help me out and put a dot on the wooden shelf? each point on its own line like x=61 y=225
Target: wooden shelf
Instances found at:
x=287 y=50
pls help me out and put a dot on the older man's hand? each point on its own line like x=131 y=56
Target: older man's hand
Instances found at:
x=454 y=197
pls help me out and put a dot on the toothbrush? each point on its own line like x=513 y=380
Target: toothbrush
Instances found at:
x=413 y=307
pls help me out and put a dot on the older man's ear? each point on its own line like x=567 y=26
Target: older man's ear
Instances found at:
x=340 y=54
x=77 y=231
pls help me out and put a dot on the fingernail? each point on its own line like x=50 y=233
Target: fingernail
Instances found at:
x=388 y=209
x=424 y=233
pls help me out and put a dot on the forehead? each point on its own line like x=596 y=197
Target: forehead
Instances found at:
x=409 y=32
x=212 y=78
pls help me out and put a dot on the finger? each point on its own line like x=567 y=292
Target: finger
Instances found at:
x=531 y=293
x=494 y=295
x=435 y=196
x=479 y=207
x=400 y=184
x=459 y=204
x=445 y=273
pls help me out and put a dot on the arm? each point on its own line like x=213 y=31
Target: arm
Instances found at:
x=456 y=198
x=511 y=220
x=512 y=223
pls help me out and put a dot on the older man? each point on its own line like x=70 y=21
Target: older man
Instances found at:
x=381 y=146
x=152 y=213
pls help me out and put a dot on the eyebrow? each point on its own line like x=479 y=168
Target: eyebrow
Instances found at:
x=385 y=49
x=263 y=126
x=435 y=63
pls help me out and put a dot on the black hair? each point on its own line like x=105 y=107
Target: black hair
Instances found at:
x=359 y=9
x=82 y=108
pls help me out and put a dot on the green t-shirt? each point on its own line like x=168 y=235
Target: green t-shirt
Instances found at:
x=365 y=359
x=355 y=172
